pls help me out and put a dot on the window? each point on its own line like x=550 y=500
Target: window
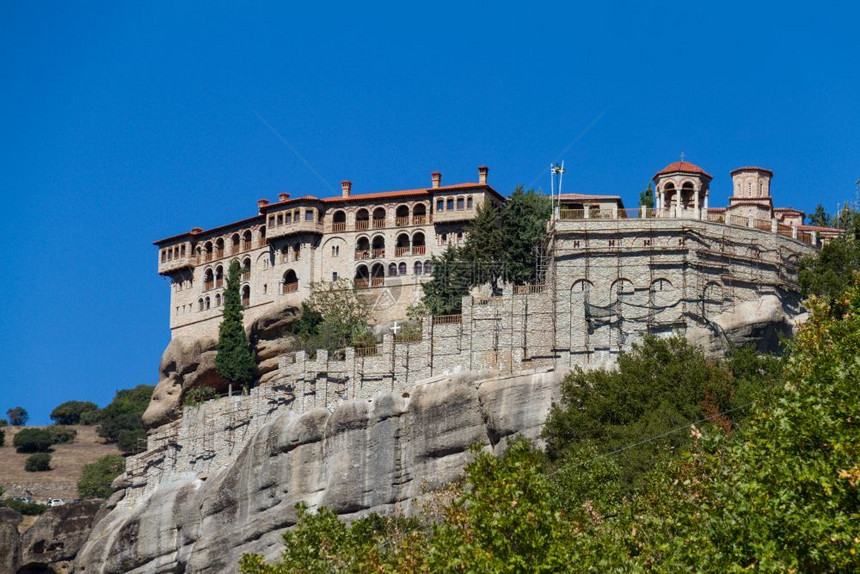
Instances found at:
x=206 y=302
x=401 y=269
x=450 y=204
x=289 y=218
x=309 y=215
x=440 y=205
x=265 y=288
x=335 y=250
x=428 y=268
x=461 y=204
x=334 y=275
x=469 y=202
x=417 y=268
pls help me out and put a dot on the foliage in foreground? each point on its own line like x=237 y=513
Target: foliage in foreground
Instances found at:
x=778 y=494
x=235 y=360
x=333 y=317
x=198 y=396
x=96 y=477
x=26 y=508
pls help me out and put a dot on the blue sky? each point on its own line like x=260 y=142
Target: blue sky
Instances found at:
x=127 y=122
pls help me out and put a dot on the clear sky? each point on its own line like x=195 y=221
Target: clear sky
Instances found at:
x=126 y=122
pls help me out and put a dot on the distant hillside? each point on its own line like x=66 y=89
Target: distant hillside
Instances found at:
x=67 y=460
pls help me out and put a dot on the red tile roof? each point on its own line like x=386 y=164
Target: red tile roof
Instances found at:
x=818 y=228
x=752 y=168
x=411 y=192
x=682 y=167
x=585 y=196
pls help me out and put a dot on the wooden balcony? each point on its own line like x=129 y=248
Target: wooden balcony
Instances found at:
x=362 y=283
x=362 y=254
x=379 y=224
x=291 y=287
x=400 y=251
x=401 y=221
x=419 y=249
x=338 y=226
x=420 y=220
x=377 y=281
x=362 y=224
x=379 y=253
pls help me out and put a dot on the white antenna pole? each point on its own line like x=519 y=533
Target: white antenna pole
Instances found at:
x=552 y=191
x=560 y=177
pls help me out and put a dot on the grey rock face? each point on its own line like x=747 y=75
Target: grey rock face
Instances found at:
x=188 y=363
x=53 y=541
x=376 y=455
x=9 y=520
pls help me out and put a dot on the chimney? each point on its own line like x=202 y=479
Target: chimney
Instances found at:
x=345 y=187
x=261 y=203
x=437 y=178
x=283 y=196
x=482 y=174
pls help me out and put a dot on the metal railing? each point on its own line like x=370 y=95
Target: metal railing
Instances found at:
x=447 y=319
x=367 y=351
x=529 y=289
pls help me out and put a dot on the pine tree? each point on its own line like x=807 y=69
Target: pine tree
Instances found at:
x=234 y=360
x=485 y=246
x=450 y=283
x=820 y=218
x=525 y=216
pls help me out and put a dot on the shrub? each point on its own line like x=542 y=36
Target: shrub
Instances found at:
x=70 y=412
x=96 y=478
x=38 y=462
x=61 y=434
x=17 y=416
x=90 y=417
x=33 y=440
x=129 y=441
x=28 y=508
x=124 y=412
x=199 y=396
x=4 y=423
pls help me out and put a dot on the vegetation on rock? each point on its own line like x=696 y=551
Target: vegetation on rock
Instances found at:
x=234 y=361
x=121 y=422
x=97 y=477
x=198 y=396
x=333 y=317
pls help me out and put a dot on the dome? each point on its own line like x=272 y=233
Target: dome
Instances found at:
x=682 y=167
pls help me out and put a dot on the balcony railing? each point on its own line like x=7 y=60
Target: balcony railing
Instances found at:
x=247 y=245
x=529 y=289
x=379 y=253
x=362 y=283
x=340 y=226
x=401 y=221
x=219 y=283
x=418 y=249
x=291 y=287
x=362 y=224
x=207 y=285
x=234 y=250
x=246 y=302
x=377 y=281
x=246 y=275
x=367 y=351
x=447 y=319
x=400 y=251
x=378 y=223
x=420 y=219
x=362 y=254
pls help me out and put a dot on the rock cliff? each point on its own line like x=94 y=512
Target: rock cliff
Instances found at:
x=366 y=455
x=190 y=362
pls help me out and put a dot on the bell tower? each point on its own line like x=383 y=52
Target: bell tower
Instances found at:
x=682 y=190
x=751 y=193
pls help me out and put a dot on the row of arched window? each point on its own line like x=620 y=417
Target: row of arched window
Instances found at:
x=171 y=253
x=404 y=244
x=213 y=278
x=454 y=203
x=214 y=301
x=232 y=245
x=373 y=275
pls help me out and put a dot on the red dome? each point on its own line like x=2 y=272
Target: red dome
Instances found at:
x=682 y=167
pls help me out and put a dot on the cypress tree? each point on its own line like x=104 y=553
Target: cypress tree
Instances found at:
x=234 y=360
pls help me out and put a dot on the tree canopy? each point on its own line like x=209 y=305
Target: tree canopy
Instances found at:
x=70 y=412
x=121 y=421
x=97 y=477
x=17 y=416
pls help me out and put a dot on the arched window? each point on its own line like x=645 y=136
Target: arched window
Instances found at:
x=378 y=246
x=218 y=299
x=291 y=282
x=200 y=304
x=262 y=236
x=418 y=246
x=428 y=268
x=246 y=296
x=207 y=251
x=417 y=268
x=206 y=302
x=246 y=269
x=208 y=280
x=377 y=275
x=401 y=247
x=297 y=249
x=379 y=218
x=219 y=276
x=338 y=221
x=419 y=214
x=392 y=269
x=401 y=269
x=401 y=215
x=285 y=254
x=234 y=244
x=362 y=219
x=362 y=277
x=219 y=248
x=362 y=248
x=246 y=240
x=469 y=203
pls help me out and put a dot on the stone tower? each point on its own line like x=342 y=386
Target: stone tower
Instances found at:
x=751 y=193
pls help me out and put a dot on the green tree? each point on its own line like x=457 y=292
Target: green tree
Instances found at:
x=17 y=416
x=122 y=417
x=524 y=227
x=830 y=272
x=334 y=317
x=33 y=440
x=646 y=197
x=234 y=361
x=452 y=276
x=61 y=434
x=39 y=462
x=484 y=251
x=97 y=477
x=820 y=217
x=659 y=385
x=198 y=396
x=69 y=413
